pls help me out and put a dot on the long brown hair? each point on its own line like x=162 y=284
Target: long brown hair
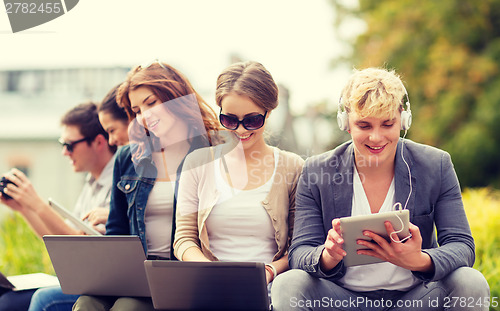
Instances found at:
x=167 y=83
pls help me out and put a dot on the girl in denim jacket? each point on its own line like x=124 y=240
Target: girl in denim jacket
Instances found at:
x=171 y=120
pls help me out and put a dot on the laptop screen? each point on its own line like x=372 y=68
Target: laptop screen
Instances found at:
x=178 y=285
x=99 y=265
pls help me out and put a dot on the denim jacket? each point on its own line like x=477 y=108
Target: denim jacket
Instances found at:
x=129 y=195
x=132 y=184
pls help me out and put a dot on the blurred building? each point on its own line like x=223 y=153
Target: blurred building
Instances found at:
x=32 y=102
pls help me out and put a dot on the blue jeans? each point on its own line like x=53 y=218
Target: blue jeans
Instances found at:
x=463 y=289
x=16 y=301
x=52 y=299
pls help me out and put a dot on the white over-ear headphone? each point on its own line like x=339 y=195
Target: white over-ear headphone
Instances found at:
x=343 y=117
x=406 y=115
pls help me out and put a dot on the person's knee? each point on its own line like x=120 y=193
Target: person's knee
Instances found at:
x=291 y=281
x=38 y=299
x=133 y=304
x=292 y=284
x=84 y=303
x=42 y=295
x=467 y=282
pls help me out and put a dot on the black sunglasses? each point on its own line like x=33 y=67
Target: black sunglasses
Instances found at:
x=250 y=123
x=71 y=145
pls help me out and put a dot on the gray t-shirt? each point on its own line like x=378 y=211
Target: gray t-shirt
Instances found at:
x=95 y=192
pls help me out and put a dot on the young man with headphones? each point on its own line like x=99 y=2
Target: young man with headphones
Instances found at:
x=373 y=173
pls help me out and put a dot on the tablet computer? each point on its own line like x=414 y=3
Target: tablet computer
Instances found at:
x=352 y=230
x=78 y=223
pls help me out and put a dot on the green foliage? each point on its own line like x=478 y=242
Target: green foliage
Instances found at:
x=22 y=251
x=448 y=54
x=483 y=211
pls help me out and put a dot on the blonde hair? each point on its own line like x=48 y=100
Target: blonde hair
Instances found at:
x=373 y=92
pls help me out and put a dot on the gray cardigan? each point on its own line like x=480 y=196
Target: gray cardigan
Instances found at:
x=325 y=192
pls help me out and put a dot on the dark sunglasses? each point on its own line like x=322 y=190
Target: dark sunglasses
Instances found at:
x=250 y=123
x=71 y=145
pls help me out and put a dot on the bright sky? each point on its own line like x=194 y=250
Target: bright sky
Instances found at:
x=293 y=39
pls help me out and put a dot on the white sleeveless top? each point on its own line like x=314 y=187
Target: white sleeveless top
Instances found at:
x=158 y=218
x=239 y=228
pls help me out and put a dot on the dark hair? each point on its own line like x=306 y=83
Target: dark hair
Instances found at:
x=85 y=118
x=109 y=105
x=250 y=79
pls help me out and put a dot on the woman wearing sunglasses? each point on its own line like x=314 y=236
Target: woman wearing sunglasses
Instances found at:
x=171 y=121
x=240 y=205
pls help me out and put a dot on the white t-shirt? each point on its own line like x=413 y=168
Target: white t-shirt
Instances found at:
x=158 y=218
x=384 y=275
x=239 y=228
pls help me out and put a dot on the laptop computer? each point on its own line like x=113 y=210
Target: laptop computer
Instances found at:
x=181 y=285
x=99 y=265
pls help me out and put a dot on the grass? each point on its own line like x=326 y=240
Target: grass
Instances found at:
x=24 y=252
x=483 y=211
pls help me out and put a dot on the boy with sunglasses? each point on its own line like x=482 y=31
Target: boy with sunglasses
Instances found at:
x=85 y=143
